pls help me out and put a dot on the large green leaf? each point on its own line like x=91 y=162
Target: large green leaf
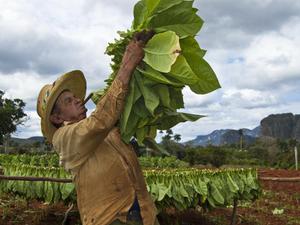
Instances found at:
x=190 y=46
x=216 y=194
x=140 y=14
x=150 y=97
x=140 y=109
x=66 y=189
x=163 y=190
x=162 y=50
x=145 y=9
x=48 y=192
x=151 y=5
x=176 y=98
x=173 y=118
x=140 y=135
x=207 y=79
x=155 y=75
x=181 y=18
x=231 y=184
x=158 y=6
x=134 y=94
x=128 y=132
x=183 y=72
x=163 y=93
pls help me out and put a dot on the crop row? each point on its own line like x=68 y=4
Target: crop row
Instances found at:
x=180 y=188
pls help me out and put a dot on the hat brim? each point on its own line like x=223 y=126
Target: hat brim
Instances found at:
x=74 y=82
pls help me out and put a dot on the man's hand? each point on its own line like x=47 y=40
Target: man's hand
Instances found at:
x=133 y=55
x=144 y=35
x=134 y=51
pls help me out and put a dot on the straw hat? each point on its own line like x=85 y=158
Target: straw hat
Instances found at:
x=73 y=81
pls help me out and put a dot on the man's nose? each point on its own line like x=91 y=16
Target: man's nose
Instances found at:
x=78 y=100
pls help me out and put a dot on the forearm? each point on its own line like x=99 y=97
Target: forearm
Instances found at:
x=132 y=57
x=108 y=110
x=125 y=72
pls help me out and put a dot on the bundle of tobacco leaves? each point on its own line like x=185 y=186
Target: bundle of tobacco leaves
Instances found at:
x=173 y=59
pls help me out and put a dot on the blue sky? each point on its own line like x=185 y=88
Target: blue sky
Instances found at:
x=253 y=46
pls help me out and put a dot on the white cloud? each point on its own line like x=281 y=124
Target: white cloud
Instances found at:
x=272 y=59
x=248 y=98
x=25 y=86
x=31 y=127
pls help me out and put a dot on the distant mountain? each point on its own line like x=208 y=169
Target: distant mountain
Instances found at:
x=283 y=126
x=31 y=140
x=225 y=136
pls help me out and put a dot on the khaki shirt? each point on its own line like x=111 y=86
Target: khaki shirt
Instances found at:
x=106 y=171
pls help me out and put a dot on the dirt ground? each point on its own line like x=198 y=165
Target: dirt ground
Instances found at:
x=278 y=205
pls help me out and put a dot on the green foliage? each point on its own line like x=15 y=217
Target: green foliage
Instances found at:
x=187 y=188
x=170 y=144
x=40 y=160
x=47 y=191
x=264 y=152
x=182 y=188
x=173 y=59
x=210 y=155
x=162 y=50
x=206 y=78
x=160 y=162
x=180 y=18
x=11 y=115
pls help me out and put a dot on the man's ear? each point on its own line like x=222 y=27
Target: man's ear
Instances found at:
x=56 y=119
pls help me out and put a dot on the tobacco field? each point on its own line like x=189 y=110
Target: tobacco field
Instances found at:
x=183 y=195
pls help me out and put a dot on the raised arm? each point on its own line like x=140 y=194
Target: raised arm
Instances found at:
x=74 y=142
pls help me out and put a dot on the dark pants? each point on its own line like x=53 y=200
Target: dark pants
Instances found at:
x=133 y=216
x=118 y=222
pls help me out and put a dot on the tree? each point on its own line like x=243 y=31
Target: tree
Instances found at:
x=219 y=156
x=169 y=134
x=282 y=145
x=11 y=115
x=167 y=138
x=292 y=143
x=170 y=144
x=241 y=133
x=177 y=137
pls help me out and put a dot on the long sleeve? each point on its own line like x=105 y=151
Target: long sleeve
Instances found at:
x=76 y=141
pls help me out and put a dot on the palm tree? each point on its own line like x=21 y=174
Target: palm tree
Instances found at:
x=169 y=134
x=177 y=137
x=241 y=138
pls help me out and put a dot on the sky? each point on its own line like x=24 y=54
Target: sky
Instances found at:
x=252 y=45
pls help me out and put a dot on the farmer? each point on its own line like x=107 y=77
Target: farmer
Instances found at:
x=109 y=182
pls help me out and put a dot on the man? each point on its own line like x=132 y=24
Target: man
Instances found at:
x=109 y=182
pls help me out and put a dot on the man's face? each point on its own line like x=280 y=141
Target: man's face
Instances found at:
x=70 y=107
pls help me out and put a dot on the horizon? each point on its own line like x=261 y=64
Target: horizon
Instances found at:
x=207 y=134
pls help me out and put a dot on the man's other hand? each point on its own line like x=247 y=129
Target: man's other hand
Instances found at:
x=144 y=35
x=134 y=51
x=133 y=55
